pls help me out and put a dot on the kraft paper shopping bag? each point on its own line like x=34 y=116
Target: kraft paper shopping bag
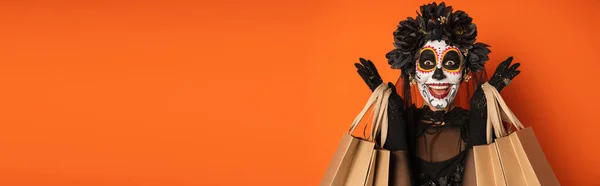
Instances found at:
x=486 y=158
x=523 y=160
x=354 y=161
x=521 y=157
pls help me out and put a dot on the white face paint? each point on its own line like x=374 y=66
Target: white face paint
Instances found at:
x=439 y=73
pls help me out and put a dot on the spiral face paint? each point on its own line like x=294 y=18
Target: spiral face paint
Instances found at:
x=439 y=73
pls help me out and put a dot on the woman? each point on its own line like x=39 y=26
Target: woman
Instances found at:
x=437 y=54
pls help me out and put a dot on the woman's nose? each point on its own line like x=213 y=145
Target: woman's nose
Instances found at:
x=438 y=74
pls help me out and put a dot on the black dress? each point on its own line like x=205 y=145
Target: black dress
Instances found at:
x=438 y=151
x=436 y=141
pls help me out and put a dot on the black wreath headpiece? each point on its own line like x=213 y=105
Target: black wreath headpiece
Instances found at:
x=436 y=22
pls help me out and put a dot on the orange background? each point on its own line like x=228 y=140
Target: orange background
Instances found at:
x=253 y=92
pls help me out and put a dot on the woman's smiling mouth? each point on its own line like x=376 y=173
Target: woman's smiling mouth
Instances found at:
x=439 y=90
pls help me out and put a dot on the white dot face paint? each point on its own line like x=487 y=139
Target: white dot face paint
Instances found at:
x=439 y=73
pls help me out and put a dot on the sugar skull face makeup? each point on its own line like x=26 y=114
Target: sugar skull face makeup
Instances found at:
x=439 y=73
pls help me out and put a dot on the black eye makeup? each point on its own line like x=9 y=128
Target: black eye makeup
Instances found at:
x=427 y=60
x=451 y=60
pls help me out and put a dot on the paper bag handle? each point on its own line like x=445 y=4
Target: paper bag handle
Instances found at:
x=498 y=111
x=376 y=95
x=381 y=124
x=507 y=114
x=377 y=108
x=493 y=121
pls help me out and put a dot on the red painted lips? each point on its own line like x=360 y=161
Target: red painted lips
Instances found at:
x=439 y=90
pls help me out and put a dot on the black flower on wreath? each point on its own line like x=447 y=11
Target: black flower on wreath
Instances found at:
x=407 y=37
x=459 y=30
x=407 y=40
x=432 y=19
x=477 y=56
x=405 y=61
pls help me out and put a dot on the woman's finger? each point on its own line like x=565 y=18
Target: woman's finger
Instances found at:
x=504 y=64
x=514 y=67
x=363 y=62
x=514 y=74
x=364 y=76
x=372 y=68
x=359 y=67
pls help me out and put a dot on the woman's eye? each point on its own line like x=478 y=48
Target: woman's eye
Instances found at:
x=451 y=61
x=427 y=60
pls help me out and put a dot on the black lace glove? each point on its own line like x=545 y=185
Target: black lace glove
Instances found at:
x=396 y=138
x=478 y=120
x=366 y=69
x=504 y=74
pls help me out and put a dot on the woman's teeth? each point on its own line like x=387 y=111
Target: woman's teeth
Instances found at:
x=439 y=91
x=438 y=86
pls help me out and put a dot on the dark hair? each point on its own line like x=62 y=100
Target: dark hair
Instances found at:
x=436 y=22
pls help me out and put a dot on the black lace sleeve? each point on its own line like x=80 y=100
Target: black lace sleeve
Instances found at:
x=396 y=139
x=478 y=115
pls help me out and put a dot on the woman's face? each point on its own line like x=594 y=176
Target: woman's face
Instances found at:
x=439 y=73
